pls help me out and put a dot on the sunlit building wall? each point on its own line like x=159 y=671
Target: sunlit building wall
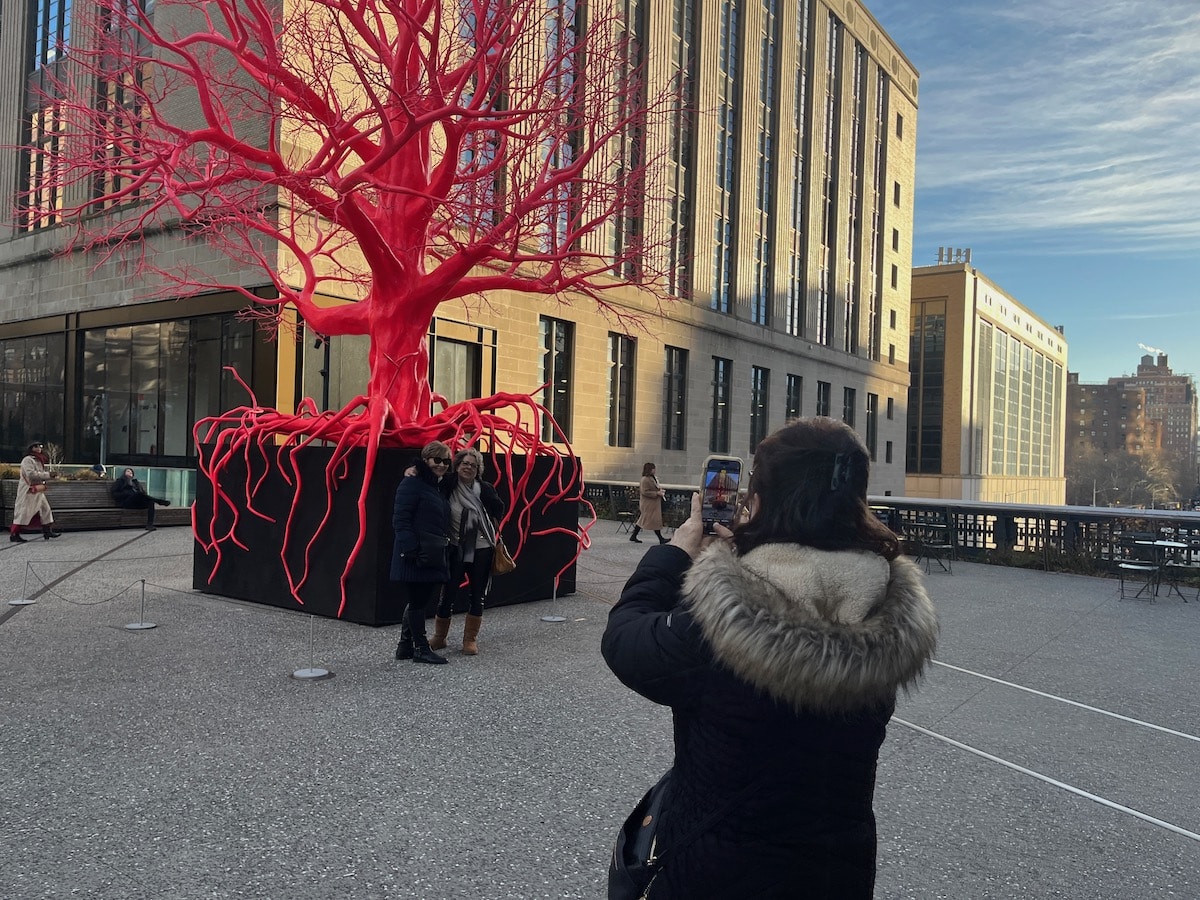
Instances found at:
x=987 y=399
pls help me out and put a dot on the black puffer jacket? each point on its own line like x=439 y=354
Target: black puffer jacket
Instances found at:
x=781 y=668
x=419 y=508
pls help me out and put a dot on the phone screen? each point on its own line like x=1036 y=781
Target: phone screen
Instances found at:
x=719 y=491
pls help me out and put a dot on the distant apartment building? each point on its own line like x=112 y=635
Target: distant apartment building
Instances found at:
x=790 y=239
x=1170 y=401
x=987 y=392
x=1108 y=418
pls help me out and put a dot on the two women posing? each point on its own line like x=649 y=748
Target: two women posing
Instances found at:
x=444 y=519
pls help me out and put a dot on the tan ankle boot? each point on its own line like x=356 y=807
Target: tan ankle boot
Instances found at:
x=441 y=628
x=471 y=635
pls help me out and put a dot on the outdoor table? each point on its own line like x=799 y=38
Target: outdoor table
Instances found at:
x=1165 y=553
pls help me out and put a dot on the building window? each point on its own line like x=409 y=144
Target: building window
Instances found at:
x=156 y=379
x=872 y=424
x=679 y=178
x=558 y=360
x=824 y=398
x=891 y=354
x=895 y=276
x=728 y=94
x=927 y=361
x=32 y=393
x=722 y=384
x=675 y=399
x=896 y=239
x=892 y=318
x=621 y=376
x=760 y=402
x=794 y=402
x=849 y=402
x=798 y=188
x=891 y=408
x=887 y=452
x=896 y=193
x=899 y=126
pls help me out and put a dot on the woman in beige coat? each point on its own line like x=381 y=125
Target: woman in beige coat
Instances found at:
x=31 y=495
x=650 y=504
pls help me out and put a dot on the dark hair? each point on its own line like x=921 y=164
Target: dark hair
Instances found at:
x=647 y=469
x=810 y=481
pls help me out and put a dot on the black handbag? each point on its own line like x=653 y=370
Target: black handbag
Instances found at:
x=634 y=860
x=637 y=857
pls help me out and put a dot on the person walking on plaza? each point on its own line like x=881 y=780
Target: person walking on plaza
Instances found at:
x=650 y=500
x=780 y=646
x=475 y=510
x=420 y=565
x=31 y=502
x=129 y=494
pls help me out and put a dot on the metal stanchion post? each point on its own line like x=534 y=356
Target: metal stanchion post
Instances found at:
x=141 y=624
x=551 y=617
x=312 y=673
x=24 y=599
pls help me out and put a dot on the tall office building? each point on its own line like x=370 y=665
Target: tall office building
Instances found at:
x=788 y=228
x=988 y=389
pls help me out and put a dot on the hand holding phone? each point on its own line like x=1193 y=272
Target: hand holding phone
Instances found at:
x=720 y=487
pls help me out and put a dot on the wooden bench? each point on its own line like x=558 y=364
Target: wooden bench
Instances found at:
x=88 y=505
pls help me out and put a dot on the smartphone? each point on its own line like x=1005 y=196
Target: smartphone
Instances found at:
x=720 y=487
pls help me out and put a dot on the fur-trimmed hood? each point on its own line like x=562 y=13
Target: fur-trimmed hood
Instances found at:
x=823 y=631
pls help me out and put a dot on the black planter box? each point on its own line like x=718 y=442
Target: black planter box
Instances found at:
x=256 y=573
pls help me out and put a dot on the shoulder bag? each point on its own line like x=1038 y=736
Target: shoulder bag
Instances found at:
x=502 y=561
x=636 y=856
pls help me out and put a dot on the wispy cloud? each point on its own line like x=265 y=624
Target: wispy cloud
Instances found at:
x=1075 y=122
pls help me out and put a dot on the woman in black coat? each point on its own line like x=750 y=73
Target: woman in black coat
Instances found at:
x=475 y=508
x=780 y=647
x=129 y=494
x=420 y=562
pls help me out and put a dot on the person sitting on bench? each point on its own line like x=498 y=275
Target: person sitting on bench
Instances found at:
x=129 y=494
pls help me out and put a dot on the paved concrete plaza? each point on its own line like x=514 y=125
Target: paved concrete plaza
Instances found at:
x=1059 y=754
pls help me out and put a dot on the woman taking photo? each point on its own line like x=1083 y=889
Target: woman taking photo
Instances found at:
x=421 y=520
x=650 y=498
x=780 y=647
x=475 y=507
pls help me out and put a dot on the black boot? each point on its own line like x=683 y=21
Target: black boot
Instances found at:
x=634 y=537
x=404 y=649
x=47 y=533
x=422 y=653
x=161 y=502
x=15 y=537
x=661 y=539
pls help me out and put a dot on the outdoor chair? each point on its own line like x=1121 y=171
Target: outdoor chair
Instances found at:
x=1139 y=567
x=931 y=537
x=623 y=501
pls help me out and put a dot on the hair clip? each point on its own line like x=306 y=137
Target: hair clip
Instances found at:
x=841 y=472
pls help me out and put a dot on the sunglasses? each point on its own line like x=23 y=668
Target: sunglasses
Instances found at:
x=439 y=461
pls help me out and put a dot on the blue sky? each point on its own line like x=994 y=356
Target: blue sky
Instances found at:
x=1060 y=141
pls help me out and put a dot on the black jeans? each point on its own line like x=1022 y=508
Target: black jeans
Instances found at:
x=142 y=501
x=478 y=572
x=418 y=595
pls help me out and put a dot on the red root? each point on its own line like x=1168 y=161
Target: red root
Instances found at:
x=503 y=425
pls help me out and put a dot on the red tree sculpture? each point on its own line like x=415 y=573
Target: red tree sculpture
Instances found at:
x=402 y=153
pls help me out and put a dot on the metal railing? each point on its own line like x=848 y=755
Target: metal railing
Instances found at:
x=1050 y=537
